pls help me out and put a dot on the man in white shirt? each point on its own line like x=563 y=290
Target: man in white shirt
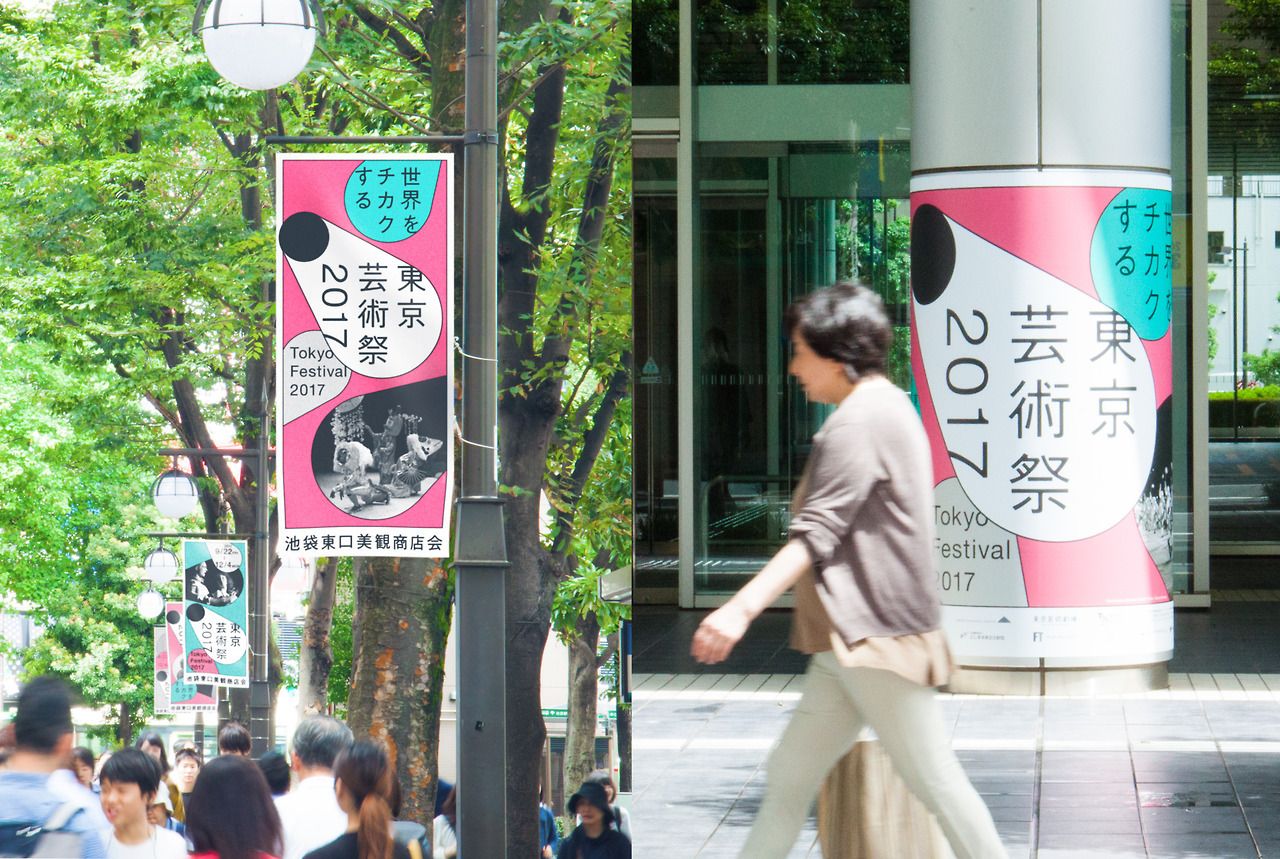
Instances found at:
x=309 y=814
x=130 y=781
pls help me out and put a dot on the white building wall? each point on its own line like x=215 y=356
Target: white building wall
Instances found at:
x=1257 y=214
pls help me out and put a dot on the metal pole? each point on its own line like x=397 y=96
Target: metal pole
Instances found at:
x=480 y=555
x=259 y=608
x=1244 y=311
x=1235 y=286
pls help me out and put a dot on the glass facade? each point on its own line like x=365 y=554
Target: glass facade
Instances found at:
x=796 y=125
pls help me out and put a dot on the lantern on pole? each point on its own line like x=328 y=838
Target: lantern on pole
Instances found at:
x=258 y=44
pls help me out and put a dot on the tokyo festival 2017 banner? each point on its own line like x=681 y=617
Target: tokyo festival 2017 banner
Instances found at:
x=215 y=610
x=182 y=696
x=1042 y=353
x=365 y=370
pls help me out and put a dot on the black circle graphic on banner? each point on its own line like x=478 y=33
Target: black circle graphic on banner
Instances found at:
x=195 y=612
x=173 y=617
x=933 y=254
x=161 y=676
x=304 y=236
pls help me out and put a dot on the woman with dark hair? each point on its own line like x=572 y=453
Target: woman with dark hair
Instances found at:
x=82 y=766
x=621 y=817
x=153 y=744
x=860 y=557
x=232 y=815
x=362 y=780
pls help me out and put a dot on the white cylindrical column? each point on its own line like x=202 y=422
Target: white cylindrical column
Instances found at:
x=1041 y=286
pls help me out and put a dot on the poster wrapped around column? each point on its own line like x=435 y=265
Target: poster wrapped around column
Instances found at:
x=160 y=681
x=184 y=696
x=365 y=369
x=215 y=611
x=1048 y=405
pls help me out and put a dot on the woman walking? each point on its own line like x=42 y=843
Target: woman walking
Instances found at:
x=231 y=815
x=860 y=558
x=362 y=780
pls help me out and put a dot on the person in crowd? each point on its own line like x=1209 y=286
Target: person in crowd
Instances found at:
x=410 y=833
x=234 y=739
x=158 y=814
x=186 y=768
x=153 y=744
x=82 y=766
x=275 y=769
x=231 y=814
x=130 y=782
x=362 y=780
x=594 y=837
x=309 y=814
x=68 y=784
x=443 y=789
x=42 y=738
x=548 y=832
x=444 y=829
x=621 y=817
x=860 y=556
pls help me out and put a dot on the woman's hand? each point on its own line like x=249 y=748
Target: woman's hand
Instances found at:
x=719 y=633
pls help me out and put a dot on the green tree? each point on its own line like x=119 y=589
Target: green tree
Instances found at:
x=72 y=526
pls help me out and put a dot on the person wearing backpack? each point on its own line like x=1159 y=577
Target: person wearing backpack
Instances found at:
x=33 y=820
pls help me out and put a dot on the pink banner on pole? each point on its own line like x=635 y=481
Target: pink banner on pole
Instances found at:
x=365 y=338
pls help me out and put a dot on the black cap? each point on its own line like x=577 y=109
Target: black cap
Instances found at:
x=594 y=794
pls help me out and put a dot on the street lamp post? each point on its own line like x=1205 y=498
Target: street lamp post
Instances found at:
x=259 y=577
x=479 y=544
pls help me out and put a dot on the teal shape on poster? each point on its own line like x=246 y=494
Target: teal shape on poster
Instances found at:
x=1131 y=259
x=389 y=201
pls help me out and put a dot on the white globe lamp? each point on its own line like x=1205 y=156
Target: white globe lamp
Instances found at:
x=175 y=494
x=150 y=603
x=160 y=566
x=258 y=44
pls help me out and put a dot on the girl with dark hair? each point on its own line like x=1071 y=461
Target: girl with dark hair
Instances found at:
x=362 y=780
x=232 y=815
x=860 y=558
x=82 y=765
x=153 y=744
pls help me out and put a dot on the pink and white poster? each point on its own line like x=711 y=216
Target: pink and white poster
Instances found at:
x=1042 y=352
x=365 y=370
x=184 y=696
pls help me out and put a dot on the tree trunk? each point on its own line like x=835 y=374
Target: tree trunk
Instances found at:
x=403 y=610
x=124 y=731
x=580 y=735
x=315 y=659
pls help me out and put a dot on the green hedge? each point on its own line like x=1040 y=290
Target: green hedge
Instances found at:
x=1257 y=407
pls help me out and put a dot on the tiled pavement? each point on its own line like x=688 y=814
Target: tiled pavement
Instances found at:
x=1192 y=771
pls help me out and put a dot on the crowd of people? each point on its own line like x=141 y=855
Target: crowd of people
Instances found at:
x=334 y=797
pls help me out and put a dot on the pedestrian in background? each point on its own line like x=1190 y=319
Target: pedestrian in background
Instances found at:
x=595 y=836
x=186 y=767
x=153 y=745
x=234 y=739
x=444 y=828
x=82 y=766
x=860 y=556
x=309 y=813
x=362 y=779
x=275 y=769
x=232 y=815
x=130 y=782
x=621 y=817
